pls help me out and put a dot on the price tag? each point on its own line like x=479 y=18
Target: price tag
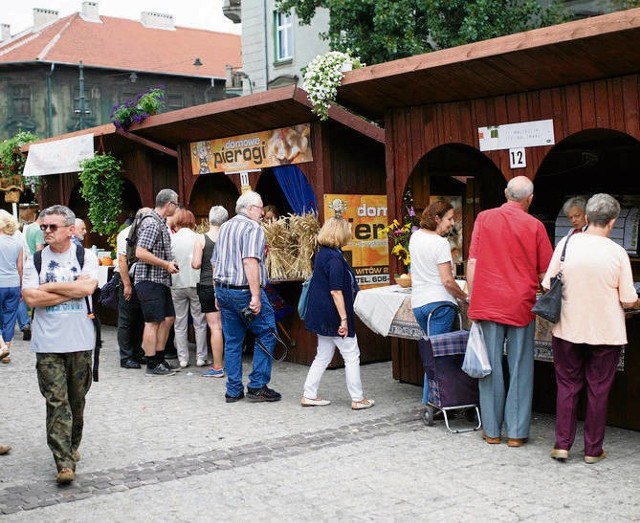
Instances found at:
x=517 y=158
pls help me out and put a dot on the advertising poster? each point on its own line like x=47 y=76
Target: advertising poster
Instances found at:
x=286 y=146
x=368 y=250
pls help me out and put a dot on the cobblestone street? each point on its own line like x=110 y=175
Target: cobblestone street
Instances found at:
x=171 y=449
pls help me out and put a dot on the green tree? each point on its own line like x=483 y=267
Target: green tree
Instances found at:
x=383 y=30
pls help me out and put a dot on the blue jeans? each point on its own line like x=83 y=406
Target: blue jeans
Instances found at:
x=514 y=407
x=9 y=301
x=23 y=315
x=441 y=322
x=234 y=327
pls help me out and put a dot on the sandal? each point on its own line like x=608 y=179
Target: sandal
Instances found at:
x=4 y=352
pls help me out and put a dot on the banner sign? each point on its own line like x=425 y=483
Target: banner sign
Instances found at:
x=515 y=135
x=368 y=250
x=289 y=145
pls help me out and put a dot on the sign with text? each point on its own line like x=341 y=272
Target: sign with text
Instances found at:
x=368 y=250
x=514 y=135
x=285 y=146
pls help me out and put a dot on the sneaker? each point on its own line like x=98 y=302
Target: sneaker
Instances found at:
x=317 y=402
x=65 y=476
x=591 y=460
x=4 y=352
x=201 y=363
x=362 y=404
x=184 y=364
x=26 y=333
x=160 y=370
x=130 y=364
x=172 y=365
x=263 y=394
x=233 y=399
x=213 y=373
x=559 y=454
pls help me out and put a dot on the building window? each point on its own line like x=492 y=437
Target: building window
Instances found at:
x=21 y=101
x=175 y=101
x=284 y=37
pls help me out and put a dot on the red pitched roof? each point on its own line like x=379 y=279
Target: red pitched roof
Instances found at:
x=118 y=43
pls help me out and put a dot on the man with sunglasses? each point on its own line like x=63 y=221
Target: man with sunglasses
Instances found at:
x=152 y=281
x=63 y=334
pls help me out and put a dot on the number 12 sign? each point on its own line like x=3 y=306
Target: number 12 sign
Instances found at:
x=517 y=158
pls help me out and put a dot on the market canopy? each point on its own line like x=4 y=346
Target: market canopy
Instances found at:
x=60 y=156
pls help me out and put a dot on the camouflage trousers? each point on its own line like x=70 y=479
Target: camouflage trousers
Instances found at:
x=64 y=380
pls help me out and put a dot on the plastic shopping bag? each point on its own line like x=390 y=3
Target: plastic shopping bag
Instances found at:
x=476 y=361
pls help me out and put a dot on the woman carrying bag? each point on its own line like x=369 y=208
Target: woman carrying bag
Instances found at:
x=331 y=316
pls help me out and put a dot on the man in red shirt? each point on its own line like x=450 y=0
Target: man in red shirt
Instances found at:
x=509 y=254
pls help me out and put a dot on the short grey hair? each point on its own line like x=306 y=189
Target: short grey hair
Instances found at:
x=165 y=196
x=246 y=200
x=601 y=209
x=218 y=215
x=61 y=210
x=576 y=201
x=519 y=188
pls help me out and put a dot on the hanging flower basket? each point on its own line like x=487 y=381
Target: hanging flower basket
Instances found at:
x=138 y=109
x=12 y=196
x=324 y=75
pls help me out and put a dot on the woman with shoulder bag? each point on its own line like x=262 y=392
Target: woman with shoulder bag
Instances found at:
x=331 y=316
x=597 y=286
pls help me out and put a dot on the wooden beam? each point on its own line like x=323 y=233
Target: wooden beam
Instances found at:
x=148 y=143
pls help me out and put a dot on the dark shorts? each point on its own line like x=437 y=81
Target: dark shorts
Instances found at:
x=155 y=301
x=207 y=297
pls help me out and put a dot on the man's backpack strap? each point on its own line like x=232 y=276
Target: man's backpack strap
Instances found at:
x=37 y=262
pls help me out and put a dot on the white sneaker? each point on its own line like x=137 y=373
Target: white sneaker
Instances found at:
x=201 y=363
x=317 y=402
x=184 y=364
x=362 y=404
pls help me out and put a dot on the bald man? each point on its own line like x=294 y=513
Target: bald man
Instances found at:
x=508 y=257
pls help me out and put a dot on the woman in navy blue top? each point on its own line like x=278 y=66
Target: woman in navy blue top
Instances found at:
x=331 y=316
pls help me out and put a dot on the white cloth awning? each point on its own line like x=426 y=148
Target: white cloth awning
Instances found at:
x=60 y=156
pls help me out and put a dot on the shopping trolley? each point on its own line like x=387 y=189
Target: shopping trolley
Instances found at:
x=449 y=389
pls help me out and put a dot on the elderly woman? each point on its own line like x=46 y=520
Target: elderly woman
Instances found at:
x=201 y=259
x=11 y=261
x=586 y=343
x=432 y=281
x=574 y=209
x=184 y=293
x=331 y=316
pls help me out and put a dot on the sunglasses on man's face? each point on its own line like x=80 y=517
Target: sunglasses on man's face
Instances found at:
x=51 y=226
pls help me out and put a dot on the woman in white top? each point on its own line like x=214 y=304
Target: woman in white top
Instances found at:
x=432 y=279
x=184 y=293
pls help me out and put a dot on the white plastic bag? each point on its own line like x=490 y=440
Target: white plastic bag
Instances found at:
x=476 y=361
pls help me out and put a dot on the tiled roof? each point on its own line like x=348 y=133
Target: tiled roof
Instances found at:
x=118 y=43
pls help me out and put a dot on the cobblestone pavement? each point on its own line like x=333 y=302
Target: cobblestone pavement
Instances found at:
x=171 y=449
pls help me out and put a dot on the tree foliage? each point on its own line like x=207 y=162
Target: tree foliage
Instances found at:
x=383 y=30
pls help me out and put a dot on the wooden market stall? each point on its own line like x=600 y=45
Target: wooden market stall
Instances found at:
x=346 y=156
x=560 y=105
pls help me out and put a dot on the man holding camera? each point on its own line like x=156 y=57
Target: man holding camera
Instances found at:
x=152 y=281
x=240 y=275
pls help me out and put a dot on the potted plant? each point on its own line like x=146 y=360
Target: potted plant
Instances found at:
x=12 y=166
x=323 y=76
x=138 y=109
x=102 y=189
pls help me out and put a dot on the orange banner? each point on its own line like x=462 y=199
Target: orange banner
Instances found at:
x=289 y=145
x=368 y=250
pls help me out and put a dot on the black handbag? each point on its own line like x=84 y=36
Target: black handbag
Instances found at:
x=549 y=304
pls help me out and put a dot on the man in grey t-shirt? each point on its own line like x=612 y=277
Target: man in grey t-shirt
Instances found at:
x=63 y=334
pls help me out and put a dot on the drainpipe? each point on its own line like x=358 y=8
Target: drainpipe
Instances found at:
x=81 y=86
x=49 y=105
x=266 y=51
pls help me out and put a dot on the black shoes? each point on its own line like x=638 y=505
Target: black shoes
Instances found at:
x=233 y=399
x=26 y=333
x=263 y=394
x=129 y=364
x=159 y=370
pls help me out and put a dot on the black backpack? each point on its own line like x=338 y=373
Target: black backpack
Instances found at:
x=132 y=240
x=37 y=262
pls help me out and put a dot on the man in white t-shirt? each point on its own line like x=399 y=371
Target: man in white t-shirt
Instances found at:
x=63 y=334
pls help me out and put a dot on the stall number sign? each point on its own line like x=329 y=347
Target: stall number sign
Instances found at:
x=517 y=158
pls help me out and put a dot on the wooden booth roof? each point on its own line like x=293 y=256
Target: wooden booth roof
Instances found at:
x=281 y=107
x=589 y=49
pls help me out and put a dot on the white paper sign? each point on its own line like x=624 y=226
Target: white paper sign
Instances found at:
x=58 y=156
x=512 y=136
x=517 y=158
